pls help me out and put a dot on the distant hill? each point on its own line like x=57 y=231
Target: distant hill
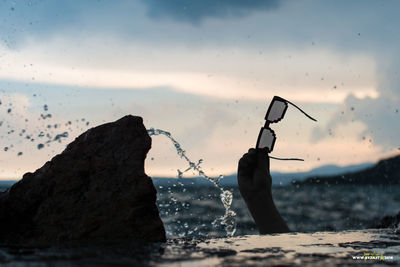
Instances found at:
x=385 y=172
x=5 y=184
x=278 y=178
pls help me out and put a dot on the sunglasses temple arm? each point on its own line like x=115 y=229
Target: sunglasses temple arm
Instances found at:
x=286 y=158
x=311 y=118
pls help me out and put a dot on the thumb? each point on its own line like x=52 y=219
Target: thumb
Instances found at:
x=263 y=159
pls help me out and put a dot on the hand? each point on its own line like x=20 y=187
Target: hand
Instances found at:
x=255 y=184
x=254 y=178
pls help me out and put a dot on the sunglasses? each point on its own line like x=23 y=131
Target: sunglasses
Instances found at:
x=276 y=112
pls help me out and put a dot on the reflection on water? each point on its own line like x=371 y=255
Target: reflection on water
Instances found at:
x=294 y=249
x=303 y=248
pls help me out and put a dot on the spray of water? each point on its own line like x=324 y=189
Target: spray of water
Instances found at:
x=228 y=219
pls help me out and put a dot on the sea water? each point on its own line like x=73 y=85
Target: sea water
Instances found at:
x=192 y=211
x=305 y=209
x=344 y=248
x=228 y=219
x=328 y=228
x=210 y=225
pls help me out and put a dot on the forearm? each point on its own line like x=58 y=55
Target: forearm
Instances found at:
x=266 y=215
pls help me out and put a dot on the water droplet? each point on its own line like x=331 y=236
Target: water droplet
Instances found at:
x=59 y=136
x=45 y=116
x=228 y=220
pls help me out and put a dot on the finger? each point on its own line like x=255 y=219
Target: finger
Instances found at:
x=244 y=170
x=263 y=159
x=251 y=156
x=252 y=151
x=247 y=163
x=247 y=160
x=243 y=162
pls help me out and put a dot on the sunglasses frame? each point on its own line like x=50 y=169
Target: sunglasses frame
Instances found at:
x=267 y=122
x=276 y=98
x=259 y=138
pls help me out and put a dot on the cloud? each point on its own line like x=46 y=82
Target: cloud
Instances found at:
x=216 y=130
x=132 y=20
x=196 y=11
x=46 y=19
x=337 y=52
x=379 y=118
x=304 y=75
x=379 y=115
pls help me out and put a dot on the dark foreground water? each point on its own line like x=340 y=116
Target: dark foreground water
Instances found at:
x=327 y=222
x=345 y=248
x=194 y=211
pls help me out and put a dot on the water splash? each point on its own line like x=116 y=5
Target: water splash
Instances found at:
x=228 y=219
x=41 y=128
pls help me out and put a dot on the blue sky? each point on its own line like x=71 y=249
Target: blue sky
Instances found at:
x=205 y=71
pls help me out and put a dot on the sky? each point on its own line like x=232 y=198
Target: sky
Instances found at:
x=205 y=71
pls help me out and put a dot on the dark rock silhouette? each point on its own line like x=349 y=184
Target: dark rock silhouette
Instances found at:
x=385 y=172
x=95 y=190
x=388 y=221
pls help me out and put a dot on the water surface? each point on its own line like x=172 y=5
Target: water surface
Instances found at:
x=294 y=249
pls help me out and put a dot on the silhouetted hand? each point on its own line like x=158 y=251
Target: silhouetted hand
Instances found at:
x=254 y=178
x=255 y=185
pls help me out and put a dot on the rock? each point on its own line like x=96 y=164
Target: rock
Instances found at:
x=388 y=222
x=95 y=190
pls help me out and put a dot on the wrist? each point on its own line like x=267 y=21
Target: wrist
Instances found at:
x=260 y=197
x=266 y=215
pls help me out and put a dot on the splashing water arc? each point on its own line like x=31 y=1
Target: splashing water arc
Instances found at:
x=228 y=220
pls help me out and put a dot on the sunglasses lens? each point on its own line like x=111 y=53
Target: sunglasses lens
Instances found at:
x=266 y=139
x=276 y=111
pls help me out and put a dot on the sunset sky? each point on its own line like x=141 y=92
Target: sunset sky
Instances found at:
x=205 y=71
